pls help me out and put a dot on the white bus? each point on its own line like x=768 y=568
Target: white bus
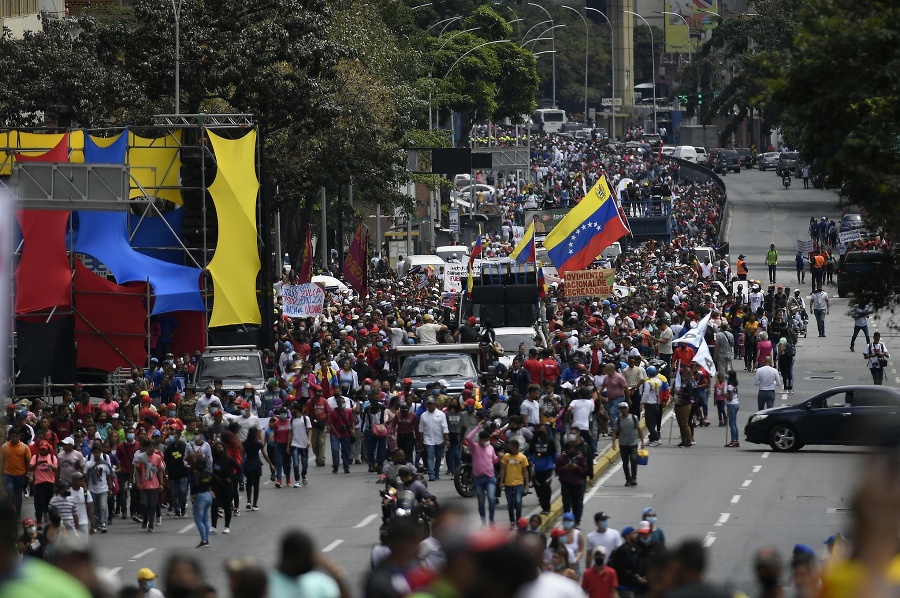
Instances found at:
x=548 y=120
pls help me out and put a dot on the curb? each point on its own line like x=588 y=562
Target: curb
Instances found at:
x=603 y=465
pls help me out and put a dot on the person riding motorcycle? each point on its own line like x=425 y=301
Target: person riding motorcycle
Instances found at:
x=407 y=481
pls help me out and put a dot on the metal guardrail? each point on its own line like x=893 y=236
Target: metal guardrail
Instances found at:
x=697 y=172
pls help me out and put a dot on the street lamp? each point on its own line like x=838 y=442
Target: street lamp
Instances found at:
x=586 y=44
x=612 y=59
x=470 y=50
x=535 y=26
x=549 y=16
x=442 y=21
x=541 y=35
x=652 y=62
x=176 y=8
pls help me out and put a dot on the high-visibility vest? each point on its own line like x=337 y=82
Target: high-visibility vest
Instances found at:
x=742 y=267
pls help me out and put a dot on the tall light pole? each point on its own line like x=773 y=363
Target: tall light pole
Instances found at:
x=652 y=62
x=541 y=35
x=176 y=8
x=612 y=62
x=549 y=16
x=586 y=44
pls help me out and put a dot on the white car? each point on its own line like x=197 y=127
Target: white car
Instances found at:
x=510 y=337
x=702 y=155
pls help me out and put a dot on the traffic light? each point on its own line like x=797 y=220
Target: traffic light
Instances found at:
x=699 y=99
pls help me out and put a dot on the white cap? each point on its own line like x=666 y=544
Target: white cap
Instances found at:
x=70 y=441
x=623 y=404
x=443 y=383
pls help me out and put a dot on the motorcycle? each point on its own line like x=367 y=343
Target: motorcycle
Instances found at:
x=786 y=180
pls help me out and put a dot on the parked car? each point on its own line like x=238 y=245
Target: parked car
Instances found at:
x=668 y=150
x=685 y=152
x=722 y=160
x=652 y=139
x=745 y=156
x=864 y=415
x=701 y=154
x=787 y=161
x=854 y=265
x=767 y=160
x=852 y=222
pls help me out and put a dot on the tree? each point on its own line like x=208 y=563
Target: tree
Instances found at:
x=840 y=98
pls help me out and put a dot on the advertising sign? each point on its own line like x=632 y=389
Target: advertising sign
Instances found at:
x=590 y=283
x=546 y=219
x=682 y=34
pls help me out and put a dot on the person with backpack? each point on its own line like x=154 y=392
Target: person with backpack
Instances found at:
x=627 y=432
x=785 y=357
x=876 y=355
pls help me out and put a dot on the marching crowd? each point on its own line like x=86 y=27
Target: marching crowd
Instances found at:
x=161 y=447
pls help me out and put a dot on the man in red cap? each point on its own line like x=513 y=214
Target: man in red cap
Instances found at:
x=467 y=333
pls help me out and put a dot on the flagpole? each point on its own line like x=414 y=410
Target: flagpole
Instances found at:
x=534 y=249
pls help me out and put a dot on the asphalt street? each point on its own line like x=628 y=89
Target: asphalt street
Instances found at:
x=737 y=499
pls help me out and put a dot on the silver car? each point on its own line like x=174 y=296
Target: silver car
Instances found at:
x=767 y=160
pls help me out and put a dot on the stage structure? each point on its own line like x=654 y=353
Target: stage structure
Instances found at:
x=117 y=248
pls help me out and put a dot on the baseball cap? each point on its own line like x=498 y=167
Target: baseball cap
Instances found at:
x=647 y=511
x=600 y=550
x=568 y=516
x=443 y=383
x=69 y=441
x=804 y=549
x=623 y=405
x=644 y=527
x=557 y=532
x=627 y=530
x=601 y=516
x=146 y=574
x=407 y=381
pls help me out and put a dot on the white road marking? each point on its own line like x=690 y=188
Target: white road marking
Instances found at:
x=366 y=521
x=186 y=528
x=332 y=546
x=709 y=539
x=141 y=554
x=897 y=379
x=746 y=483
x=609 y=473
x=756 y=468
x=765 y=455
x=723 y=519
x=115 y=570
x=735 y=499
x=784 y=396
x=893 y=370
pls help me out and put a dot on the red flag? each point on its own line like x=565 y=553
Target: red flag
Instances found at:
x=356 y=264
x=306 y=259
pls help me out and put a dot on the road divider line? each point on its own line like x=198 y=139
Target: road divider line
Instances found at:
x=115 y=570
x=756 y=468
x=723 y=519
x=141 y=554
x=765 y=455
x=366 y=521
x=332 y=546
x=602 y=480
x=746 y=483
x=186 y=528
x=709 y=540
x=735 y=499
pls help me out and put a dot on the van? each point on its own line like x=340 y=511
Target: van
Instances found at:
x=426 y=261
x=445 y=252
x=612 y=252
x=685 y=152
x=548 y=120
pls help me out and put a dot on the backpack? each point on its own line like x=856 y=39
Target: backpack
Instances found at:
x=634 y=418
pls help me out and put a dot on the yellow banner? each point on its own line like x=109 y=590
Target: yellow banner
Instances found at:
x=683 y=36
x=590 y=283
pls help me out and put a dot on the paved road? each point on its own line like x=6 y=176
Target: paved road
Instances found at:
x=738 y=499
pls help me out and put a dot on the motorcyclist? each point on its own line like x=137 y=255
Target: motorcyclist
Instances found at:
x=514 y=428
x=407 y=481
x=392 y=467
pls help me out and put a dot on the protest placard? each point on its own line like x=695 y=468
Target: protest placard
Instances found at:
x=302 y=300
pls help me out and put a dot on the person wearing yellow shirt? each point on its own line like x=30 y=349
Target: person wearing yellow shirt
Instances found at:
x=514 y=479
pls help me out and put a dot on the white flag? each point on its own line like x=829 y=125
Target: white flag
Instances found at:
x=693 y=336
x=705 y=360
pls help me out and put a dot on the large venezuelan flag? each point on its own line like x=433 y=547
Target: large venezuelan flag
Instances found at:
x=588 y=229
x=477 y=252
x=524 y=251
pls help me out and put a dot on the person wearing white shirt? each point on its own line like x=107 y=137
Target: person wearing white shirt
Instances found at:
x=301 y=430
x=434 y=435
x=767 y=379
x=756 y=299
x=605 y=536
x=818 y=304
x=531 y=407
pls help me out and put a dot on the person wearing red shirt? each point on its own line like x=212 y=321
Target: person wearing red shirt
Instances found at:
x=533 y=366
x=600 y=580
x=281 y=435
x=125 y=452
x=549 y=369
x=62 y=425
x=317 y=409
x=84 y=409
x=373 y=353
x=683 y=354
x=149 y=475
x=341 y=425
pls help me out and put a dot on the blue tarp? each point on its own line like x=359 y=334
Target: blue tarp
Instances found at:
x=153 y=232
x=104 y=235
x=114 y=154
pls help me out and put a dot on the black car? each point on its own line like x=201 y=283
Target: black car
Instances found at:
x=846 y=415
x=854 y=265
x=745 y=157
x=787 y=162
x=727 y=160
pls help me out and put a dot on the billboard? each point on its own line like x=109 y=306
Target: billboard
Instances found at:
x=681 y=37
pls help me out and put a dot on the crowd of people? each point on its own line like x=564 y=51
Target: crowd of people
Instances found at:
x=333 y=400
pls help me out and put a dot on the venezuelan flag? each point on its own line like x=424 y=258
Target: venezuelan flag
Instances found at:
x=476 y=253
x=524 y=251
x=542 y=283
x=588 y=229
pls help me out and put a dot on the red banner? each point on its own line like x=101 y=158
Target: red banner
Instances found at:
x=356 y=264
x=306 y=259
